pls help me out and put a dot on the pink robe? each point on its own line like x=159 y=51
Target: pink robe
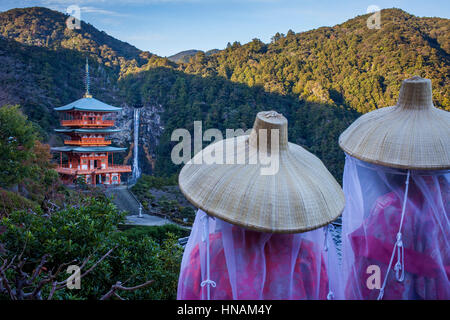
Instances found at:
x=253 y=281
x=426 y=255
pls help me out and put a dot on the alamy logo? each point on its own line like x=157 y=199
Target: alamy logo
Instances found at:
x=74 y=281
x=374 y=280
x=374 y=21
x=73 y=21
x=265 y=151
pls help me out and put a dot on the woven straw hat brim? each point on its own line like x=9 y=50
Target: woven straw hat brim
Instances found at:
x=401 y=138
x=300 y=197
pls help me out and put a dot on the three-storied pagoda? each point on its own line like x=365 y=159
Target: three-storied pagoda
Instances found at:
x=87 y=122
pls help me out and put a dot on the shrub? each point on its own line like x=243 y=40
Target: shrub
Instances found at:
x=90 y=230
x=159 y=234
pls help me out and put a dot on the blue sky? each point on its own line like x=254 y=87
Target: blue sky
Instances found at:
x=166 y=27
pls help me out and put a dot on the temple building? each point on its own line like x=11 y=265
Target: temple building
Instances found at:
x=87 y=122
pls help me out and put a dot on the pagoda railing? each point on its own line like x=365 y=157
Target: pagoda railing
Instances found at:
x=88 y=141
x=65 y=169
x=114 y=168
x=92 y=123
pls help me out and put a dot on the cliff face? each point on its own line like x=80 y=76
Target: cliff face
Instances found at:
x=150 y=129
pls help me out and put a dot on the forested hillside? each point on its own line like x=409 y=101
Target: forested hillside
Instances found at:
x=40 y=79
x=318 y=79
x=345 y=64
x=42 y=62
x=222 y=104
x=185 y=56
x=47 y=28
x=321 y=79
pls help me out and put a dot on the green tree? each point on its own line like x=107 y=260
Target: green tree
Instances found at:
x=17 y=139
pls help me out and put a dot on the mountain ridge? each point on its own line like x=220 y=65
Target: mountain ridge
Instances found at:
x=186 y=55
x=333 y=64
x=41 y=26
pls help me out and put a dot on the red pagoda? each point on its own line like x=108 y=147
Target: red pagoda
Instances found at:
x=87 y=122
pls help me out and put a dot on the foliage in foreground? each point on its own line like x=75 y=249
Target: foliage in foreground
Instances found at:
x=72 y=235
x=17 y=138
x=27 y=178
x=157 y=233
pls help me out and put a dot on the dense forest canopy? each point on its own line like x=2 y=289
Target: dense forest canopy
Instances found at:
x=47 y=28
x=345 y=64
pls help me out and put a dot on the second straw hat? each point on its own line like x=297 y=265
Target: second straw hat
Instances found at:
x=413 y=134
x=300 y=196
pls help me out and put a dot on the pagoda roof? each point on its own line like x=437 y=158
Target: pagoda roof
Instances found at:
x=88 y=104
x=87 y=149
x=88 y=130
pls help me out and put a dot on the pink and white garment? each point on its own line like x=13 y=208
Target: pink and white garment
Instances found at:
x=245 y=264
x=397 y=220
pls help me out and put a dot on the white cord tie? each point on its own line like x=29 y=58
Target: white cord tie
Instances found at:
x=205 y=238
x=330 y=295
x=381 y=294
x=208 y=282
x=400 y=265
x=205 y=233
x=325 y=242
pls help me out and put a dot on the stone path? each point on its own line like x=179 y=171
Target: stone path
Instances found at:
x=125 y=201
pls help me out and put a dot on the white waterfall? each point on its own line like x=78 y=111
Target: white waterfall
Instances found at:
x=136 y=171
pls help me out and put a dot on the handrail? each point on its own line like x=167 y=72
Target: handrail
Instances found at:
x=141 y=207
x=154 y=214
x=78 y=122
x=98 y=170
x=88 y=141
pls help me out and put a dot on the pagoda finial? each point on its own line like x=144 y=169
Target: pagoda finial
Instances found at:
x=88 y=80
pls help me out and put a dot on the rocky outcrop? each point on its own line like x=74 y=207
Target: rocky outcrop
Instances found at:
x=150 y=130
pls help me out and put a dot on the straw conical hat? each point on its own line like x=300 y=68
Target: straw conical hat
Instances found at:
x=413 y=134
x=300 y=196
